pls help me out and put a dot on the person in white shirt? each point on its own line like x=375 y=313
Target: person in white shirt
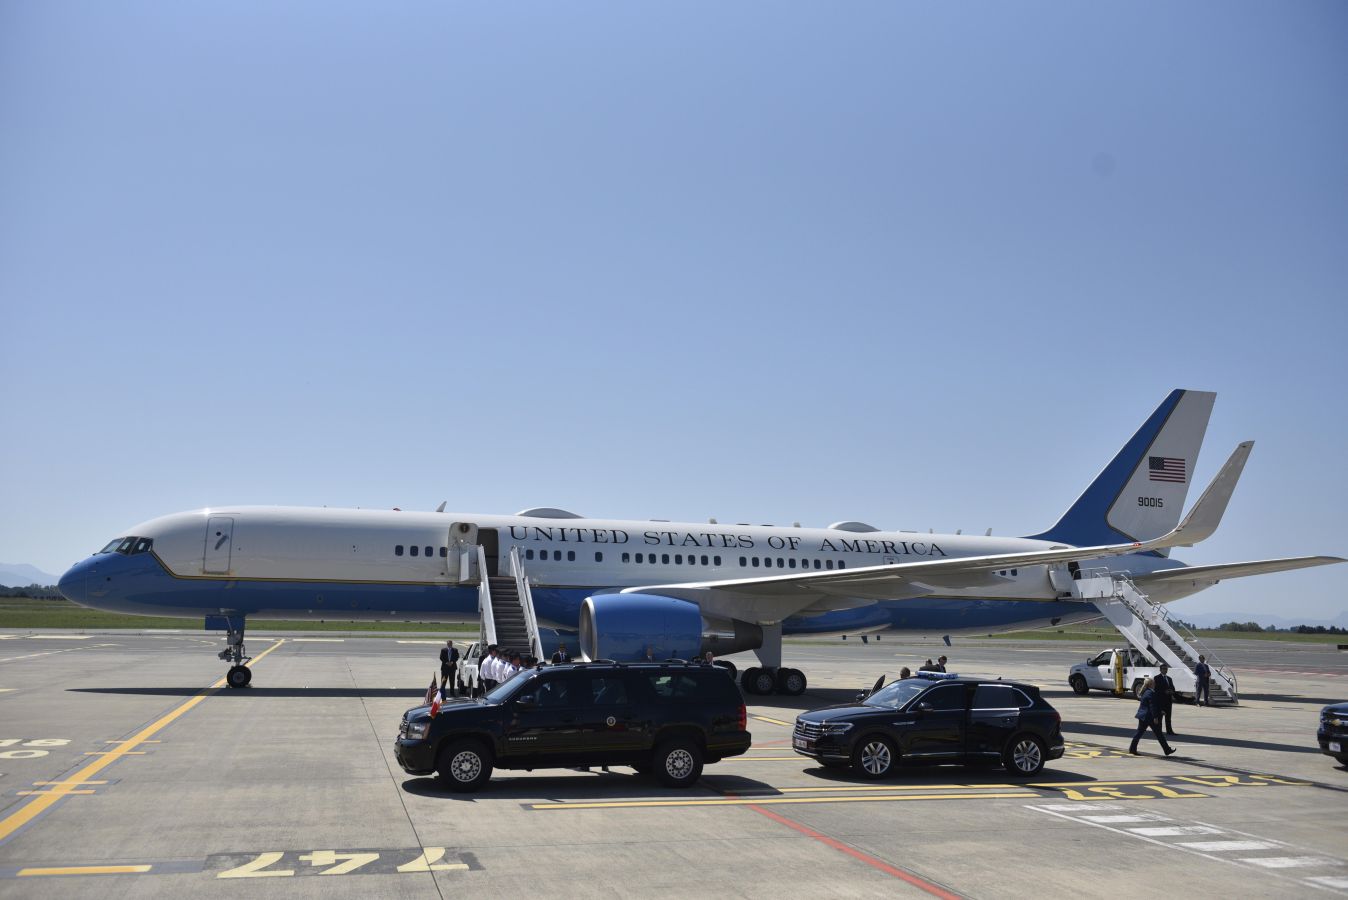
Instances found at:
x=487 y=671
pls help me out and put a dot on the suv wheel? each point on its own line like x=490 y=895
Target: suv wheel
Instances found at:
x=874 y=756
x=1078 y=684
x=678 y=763
x=1024 y=755
x=463 y=766
x=790 y=682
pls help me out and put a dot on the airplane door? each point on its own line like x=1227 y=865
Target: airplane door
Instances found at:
x=461 y=566
x=219 y=541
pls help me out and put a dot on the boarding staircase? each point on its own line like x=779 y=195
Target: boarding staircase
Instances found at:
x=506 y=608
x=1148 y=627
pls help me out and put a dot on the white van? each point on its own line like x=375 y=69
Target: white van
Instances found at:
x=1097 y=672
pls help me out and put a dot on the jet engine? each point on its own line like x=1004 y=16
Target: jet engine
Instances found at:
x=622 y=627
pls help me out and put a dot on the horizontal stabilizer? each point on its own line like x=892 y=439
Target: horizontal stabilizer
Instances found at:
x=1233 y=570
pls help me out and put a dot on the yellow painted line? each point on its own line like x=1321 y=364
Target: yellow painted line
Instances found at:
x=41 y=793
x=123 y=742
x=118 y=752
x=37 y=805
x=761 y=758
x=85 y=870
x=774 y=801
x=891 y=787
x=773 y=721
x=45 y=783
x=1091 y=784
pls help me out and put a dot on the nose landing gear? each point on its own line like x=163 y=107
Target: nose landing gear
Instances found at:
x=239 y=675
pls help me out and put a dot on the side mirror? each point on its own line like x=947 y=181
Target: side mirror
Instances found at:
x=923 y=707
x=528 y=701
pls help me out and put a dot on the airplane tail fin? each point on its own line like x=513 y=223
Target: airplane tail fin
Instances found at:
x=1140 y=494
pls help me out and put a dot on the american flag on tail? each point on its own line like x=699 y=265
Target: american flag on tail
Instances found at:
x=1165 y=468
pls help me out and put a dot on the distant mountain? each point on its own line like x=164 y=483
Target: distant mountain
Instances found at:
x=22 y=575
x=1212 y=620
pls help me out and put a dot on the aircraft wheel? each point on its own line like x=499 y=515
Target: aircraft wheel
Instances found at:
x=763 y=681
x=790 y=682
x=1079 y=684
x=728 y=666
x=747 y=679
x=238 y=676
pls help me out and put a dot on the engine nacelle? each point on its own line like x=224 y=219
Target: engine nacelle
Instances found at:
x=622 y=627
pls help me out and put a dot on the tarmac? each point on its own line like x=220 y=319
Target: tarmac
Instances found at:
x=127 y=770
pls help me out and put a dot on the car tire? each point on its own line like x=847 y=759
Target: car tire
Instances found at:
x=463 y=766
x=678 y=763
x=874 y=756
x=1137 y=687
x=1079 y=684
x=1024 y=756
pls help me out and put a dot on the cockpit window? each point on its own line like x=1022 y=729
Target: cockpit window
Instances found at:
x=128 y=545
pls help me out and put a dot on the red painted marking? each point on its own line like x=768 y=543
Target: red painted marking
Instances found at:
x=871 y=861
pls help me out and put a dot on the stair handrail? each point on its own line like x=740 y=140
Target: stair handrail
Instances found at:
x=484 y=610
x=526 y=602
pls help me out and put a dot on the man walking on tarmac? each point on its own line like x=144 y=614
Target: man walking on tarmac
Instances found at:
x=1165 y=700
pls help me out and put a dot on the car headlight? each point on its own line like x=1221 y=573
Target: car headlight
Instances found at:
x=836 y=727
x=416 y=731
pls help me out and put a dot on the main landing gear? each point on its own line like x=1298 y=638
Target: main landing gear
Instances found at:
x=772 y=677
x=239 y=675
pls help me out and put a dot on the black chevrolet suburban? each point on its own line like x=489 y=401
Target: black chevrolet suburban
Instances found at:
x=665 y=719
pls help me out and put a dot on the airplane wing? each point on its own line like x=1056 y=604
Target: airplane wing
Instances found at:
x=1210 y=575
x=773 y=598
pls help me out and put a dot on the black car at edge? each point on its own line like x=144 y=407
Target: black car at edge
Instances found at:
x=665 y=719
x=935 y=718
x=1333 y=733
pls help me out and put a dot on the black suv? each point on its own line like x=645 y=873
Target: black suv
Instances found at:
x=666 y=719
x=941 y=718
x=1333 y=733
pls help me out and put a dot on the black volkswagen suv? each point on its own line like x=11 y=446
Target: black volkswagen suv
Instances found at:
x=665 y=719
x=935 y=718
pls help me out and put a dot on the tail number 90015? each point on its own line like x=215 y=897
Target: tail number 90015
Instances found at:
x=1156 y=502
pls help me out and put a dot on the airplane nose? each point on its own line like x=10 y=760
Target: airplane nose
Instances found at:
x=71 y=584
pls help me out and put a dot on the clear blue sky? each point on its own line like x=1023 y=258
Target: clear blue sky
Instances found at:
x=919 y=264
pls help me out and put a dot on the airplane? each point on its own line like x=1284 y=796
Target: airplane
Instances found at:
x=633 y=589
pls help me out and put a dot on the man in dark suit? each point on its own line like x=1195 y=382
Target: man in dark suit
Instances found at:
x=561 y=656
x=1202 y=674
x=1165 y=699
x=449 y=668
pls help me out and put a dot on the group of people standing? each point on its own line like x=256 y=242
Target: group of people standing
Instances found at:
x=1156 y=703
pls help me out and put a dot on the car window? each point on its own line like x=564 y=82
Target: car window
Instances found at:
x=555 y=692
x=896 y=694
x=999 y=696
x=608 y=690
x=945 y=697
x=1103 y=658
x=673 y=686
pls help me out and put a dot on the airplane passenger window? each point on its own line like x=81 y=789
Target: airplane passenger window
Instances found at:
x=744 y=561
x=842 y=564
x=754 y=562
x=529 y=554
x=781 y=563
x=650 y=558
x=717 y=560
x=571 y=556
x=414 y=549
x=791 y=563
x=598 y=556
x=557 y=555
x=627 y=557
x=704 y=561
x=444 y=552
x=678 y=559
x=398 y=550
x=429 y=551
x=664 y=558
x=828 y=563
x=640 y=558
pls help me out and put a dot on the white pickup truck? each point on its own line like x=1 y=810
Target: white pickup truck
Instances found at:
x=467 y=676
x=1097 y=672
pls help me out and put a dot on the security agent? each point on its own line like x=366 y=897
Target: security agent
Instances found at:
x=1165 y=699
x=561 y=656
x=449 y=664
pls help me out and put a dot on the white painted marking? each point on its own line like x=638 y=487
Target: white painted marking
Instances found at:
x=317 y=640
x=59 y=637
x=1078 y=807
x=1333 y=881
x=1290 y=862
x=436 y=643
x=1225 y=846
x=1119 y=820
x=1175 y=830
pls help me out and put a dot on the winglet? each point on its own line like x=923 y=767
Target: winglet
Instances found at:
x=1203 y=519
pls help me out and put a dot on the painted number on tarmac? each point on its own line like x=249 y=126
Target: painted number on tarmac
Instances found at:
x=1148 y=791
x=27 y=747
x=277 y=864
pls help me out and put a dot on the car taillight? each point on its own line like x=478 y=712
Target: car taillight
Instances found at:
x=744 y=718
